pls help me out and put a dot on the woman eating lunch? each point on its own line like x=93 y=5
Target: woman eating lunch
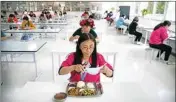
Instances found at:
x=86 y=51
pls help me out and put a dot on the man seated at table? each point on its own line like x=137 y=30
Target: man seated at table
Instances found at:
x=26 y=24
x=85 y=28
x=132 y=31
x=120 y=24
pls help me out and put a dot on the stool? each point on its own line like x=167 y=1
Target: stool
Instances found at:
x=151 y=52
x=131 y=37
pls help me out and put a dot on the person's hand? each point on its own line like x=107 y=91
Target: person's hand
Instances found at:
x=78 y=68
x=106 y=70
x=77 y=37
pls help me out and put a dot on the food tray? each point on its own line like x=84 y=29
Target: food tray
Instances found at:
x=98 y=90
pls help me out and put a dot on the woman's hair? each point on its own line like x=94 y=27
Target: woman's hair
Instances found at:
x=165 y=23
x=136 y=19
x=26 y=18
x=15 y=12
x=86 y=23
x=91 y=16
x=11 y=15
x=79 y=55
x=86 y=13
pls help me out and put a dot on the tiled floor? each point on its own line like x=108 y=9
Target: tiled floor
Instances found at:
x=155 y=78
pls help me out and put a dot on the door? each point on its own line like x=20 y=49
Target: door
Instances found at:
x=125 y=10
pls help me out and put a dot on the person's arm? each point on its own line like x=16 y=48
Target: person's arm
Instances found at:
x=164 y=34
x=32 y=26
x=94 y=34
x=66 y=66
x=66 y=70
x=75 y=35
x=107 y=68
x=23 y=25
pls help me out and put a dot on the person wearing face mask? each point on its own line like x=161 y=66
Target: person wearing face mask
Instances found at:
x=86 y=51
x=158 y=36
x=85 y=28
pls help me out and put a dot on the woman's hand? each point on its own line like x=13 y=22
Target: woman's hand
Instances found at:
x=106 y=70
x=78 y=68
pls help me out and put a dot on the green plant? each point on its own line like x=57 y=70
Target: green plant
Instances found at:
x=145 y=12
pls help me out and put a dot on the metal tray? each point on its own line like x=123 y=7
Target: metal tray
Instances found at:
x=98 y=89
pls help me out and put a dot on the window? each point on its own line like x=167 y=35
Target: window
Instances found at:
x=150 y=7
x=160 y=7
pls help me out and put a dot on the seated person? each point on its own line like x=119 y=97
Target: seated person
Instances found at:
x=26 y=24
x=158 y=36
x=85 y=28
x=48 y=15
x=132 y=30
x=85 y=15
x=90 y=19
x=85 y=52
x=42 y=18
x=26 y=15
x=120 y=24
x=12 y=19
x=32 y=14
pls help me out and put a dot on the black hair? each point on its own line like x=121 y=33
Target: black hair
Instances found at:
x=91 y=16
x=31 y=11
x=25 y=18
x=86 y=23
x=86 y=13
x=15 y=12
x=165 y=23
x=78 y=54
x=136 y=19
x=122 y=15
x=11 y=15
x=42 y=15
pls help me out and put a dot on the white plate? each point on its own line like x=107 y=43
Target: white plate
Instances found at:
x=93 y=71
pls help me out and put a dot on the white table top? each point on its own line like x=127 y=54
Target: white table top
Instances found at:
x=34 y=31
x=113 y=92
x=19 y=23
x=17 y=46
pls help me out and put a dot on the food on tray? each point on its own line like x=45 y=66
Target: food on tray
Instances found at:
x=81 y=84
x=90 y=85
x=73 y=91
x=87 y=92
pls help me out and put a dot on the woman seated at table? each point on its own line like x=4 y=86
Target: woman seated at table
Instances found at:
x=85 y=28
x=26 y=24
x=158 y=36
x=85 y=52
x=32 y=14
x=120 y=24
x=48 y=16
x=132 y=30
x=12 y=19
